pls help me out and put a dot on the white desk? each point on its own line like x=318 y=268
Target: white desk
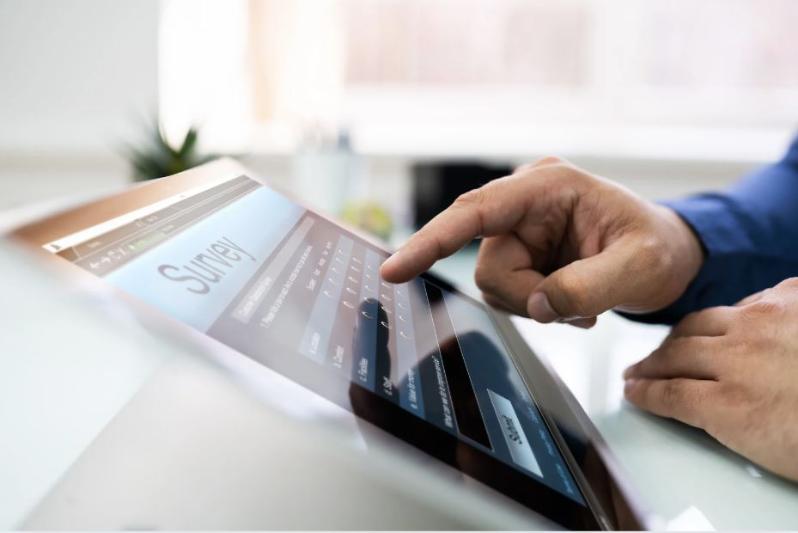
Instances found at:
x=683 y=474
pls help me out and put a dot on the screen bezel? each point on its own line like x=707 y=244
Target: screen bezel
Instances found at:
x=610 y=504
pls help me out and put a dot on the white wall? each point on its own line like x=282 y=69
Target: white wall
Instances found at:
x=77 y=78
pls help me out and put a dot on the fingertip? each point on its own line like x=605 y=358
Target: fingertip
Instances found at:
x=386 y=266
x=390 y=269
x=539 y=308
x=402 y=266
x=582 y=323
x=629 y=387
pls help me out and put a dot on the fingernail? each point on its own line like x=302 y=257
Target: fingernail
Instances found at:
x=540 y=309
x=629 y=385
x=584 y=323
x=387 y=263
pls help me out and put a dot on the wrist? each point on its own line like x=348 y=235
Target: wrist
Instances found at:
x=686 y=251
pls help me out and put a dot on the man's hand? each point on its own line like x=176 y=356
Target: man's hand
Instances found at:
x=732 y=371
x=560 y=244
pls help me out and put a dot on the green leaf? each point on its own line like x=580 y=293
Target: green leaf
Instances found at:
x=154 y=157
x=189 y=143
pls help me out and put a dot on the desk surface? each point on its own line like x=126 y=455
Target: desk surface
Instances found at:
x=682 y=473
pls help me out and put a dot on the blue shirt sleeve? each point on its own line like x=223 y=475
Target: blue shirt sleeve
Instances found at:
x=749 y=235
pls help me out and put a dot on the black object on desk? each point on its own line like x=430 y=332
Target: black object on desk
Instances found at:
x=437 y=184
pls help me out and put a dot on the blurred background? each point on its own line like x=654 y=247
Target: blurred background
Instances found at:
x=384 y=110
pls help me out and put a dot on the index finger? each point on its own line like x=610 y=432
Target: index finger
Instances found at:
x=492 y=209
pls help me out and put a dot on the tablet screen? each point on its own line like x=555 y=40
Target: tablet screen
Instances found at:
x=302 y=296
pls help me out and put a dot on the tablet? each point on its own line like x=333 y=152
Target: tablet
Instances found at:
x=301 y=295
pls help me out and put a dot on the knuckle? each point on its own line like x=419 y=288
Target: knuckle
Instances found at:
x=475 y=201
x=762 y=308
x=471 y=198
x=492 y=188
x=543 y=161
x=569 y=181
x=485 y=278
x=652 y=257
x=549 y=160
x=523 y=169
x=689 y=318
x=790 y=283
x=672 y=393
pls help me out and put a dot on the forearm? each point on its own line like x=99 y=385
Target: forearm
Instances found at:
x=749 y=235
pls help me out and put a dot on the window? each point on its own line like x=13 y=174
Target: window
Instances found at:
x=498 y=76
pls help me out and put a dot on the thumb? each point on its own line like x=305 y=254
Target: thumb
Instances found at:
x=588 y=287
